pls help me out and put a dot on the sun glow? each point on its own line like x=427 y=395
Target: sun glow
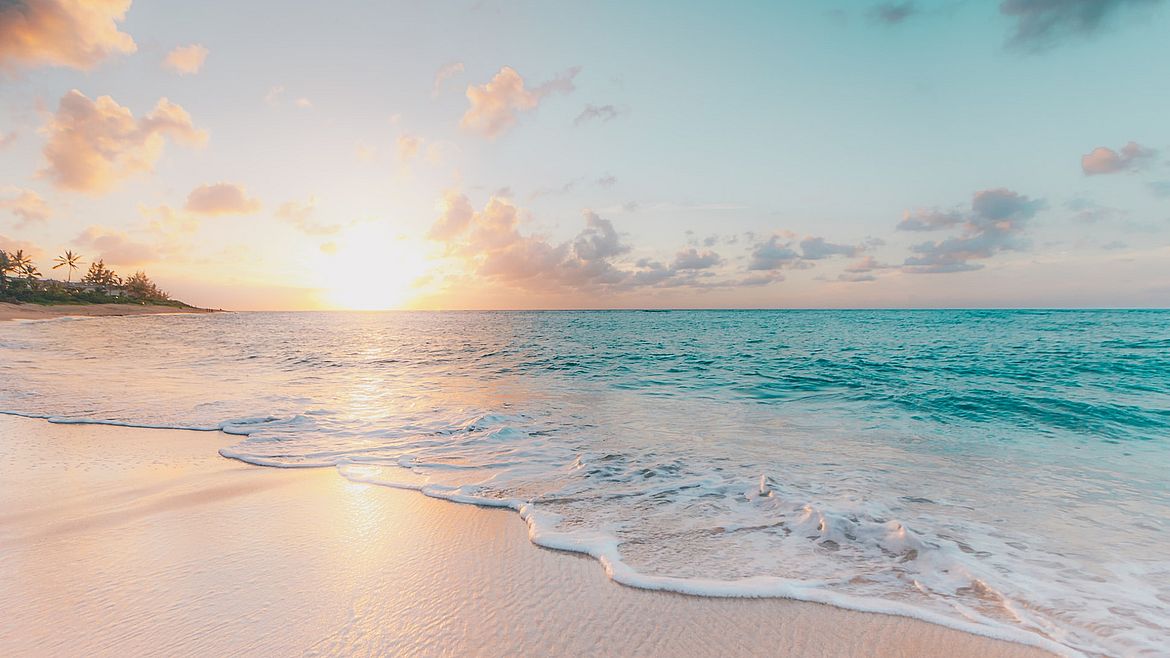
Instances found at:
x=372 y=269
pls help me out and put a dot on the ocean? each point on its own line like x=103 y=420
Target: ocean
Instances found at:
x=1002 y=472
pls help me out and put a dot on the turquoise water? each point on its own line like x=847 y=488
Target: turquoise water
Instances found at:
x=1003 y=472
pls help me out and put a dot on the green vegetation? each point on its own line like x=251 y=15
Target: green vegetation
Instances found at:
x=20 y=282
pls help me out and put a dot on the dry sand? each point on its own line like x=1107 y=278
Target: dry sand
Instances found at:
x=41 y=312
x=118 y=541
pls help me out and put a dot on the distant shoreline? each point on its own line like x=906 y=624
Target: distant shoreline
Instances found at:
x=31 y=311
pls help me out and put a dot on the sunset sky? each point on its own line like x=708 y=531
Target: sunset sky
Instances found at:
x=498 y=154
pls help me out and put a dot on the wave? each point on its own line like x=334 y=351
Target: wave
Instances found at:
x=605 y=549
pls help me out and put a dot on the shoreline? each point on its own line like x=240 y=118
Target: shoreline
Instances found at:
x=172 y=548
x=10 y=311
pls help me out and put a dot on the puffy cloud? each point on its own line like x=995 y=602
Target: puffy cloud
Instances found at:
x=74 y=33
x=115 y=247
x=92 y=145
x=454 y=218
x=693 y=259
x=491 y=246
x=492 y=249
x=777 y=252
x=596 y=112
x=25 y=204
x=892 y=13
x=1040 y=24
x=408 y=147
x=773 y=254
x=301 y=215
x=444 y=73
x=818 y=249
x=599 y=240
x=303 y=103
x=221 y=199
x=6 y=139
x=1102 y=160
x=994 y=223
x=496 y=104
x=186 y=60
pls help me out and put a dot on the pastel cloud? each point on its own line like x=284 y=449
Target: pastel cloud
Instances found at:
x=115 y=247
x=496 y=105
x=772 y=254
x=444 y=73
x=491 y=246
x=778 y=252
x=1103 y=160
x=863 y=269
x=693 y=259
x=221 y=199
x=73 y=33
x=93 y=145
x=814 y=248
x=11 y=245
x=408 y=147
x=1040 y=24
x=302 y=216
x=929 y=219
x=994 y=223
x=6 y=139
x=455 y=216
x=26 y=204
x=186 y=60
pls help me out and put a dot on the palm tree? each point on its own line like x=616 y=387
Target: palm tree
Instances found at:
x=5 y=268
x=20 y=262
x=69 y=260
x=31 y=272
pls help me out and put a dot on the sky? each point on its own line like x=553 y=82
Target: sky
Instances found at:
x=511 y=154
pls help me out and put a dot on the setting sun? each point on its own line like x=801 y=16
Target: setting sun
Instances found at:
x=371 y=269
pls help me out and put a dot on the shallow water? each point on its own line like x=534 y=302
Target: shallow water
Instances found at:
x=997 y=471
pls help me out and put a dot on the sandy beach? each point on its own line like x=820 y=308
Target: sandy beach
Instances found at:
x=42 y=312
x=117 y=541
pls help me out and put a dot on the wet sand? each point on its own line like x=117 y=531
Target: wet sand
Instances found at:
x=117 y=541
x=42 y=312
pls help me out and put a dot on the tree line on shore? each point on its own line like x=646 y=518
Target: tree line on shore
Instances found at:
x=21 y=281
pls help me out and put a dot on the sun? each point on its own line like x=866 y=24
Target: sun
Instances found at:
x=371 y=268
